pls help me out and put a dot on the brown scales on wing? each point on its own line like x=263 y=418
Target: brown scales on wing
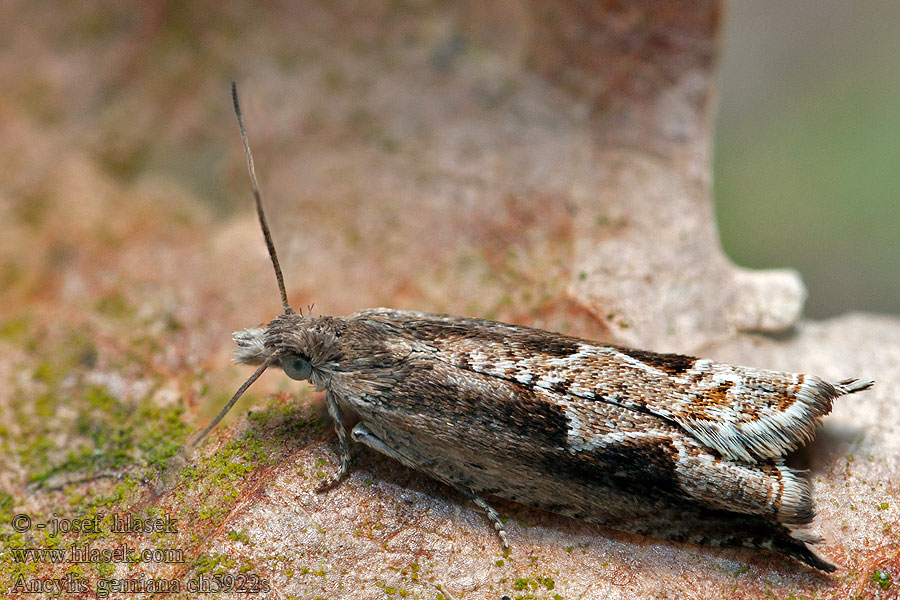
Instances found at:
x=568 y=367
x=537 y=416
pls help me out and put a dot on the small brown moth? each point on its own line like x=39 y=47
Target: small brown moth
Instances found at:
x=659 y=444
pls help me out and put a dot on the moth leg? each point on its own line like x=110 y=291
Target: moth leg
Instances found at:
x=492 y=515
x=335 y=411
x=363 y=435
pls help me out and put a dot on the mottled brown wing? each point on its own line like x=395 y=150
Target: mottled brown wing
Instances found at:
x=742 y=413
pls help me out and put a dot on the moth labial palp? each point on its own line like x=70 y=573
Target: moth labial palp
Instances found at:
x=664 y=445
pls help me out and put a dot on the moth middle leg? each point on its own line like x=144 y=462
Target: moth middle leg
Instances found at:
x=334 y=410
x=364 y=435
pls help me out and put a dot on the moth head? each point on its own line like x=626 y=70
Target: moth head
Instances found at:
x=299 y=344
x=252 y=350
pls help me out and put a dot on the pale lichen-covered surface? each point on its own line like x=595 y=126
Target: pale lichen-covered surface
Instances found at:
x=541 y=163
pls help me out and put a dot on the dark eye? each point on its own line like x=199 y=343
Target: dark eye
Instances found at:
x=296 y=367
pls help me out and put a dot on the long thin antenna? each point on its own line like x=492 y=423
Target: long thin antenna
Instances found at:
x=258 y=198
x=234 y=398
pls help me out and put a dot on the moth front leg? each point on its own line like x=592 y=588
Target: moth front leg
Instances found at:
x=334 y=410
x=363 y=435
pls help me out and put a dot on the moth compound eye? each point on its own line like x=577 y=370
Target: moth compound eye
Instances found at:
x=296 y=367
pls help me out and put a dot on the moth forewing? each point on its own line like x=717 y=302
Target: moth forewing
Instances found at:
x=659 y=444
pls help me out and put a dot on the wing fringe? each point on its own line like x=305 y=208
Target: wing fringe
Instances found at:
x=773 y=435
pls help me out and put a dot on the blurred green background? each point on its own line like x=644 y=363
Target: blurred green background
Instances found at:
x=807 y=154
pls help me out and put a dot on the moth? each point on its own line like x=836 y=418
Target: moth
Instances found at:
x=662 y=445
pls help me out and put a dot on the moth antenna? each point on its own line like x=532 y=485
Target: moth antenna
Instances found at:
x=257 y=196
x=235 y=398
